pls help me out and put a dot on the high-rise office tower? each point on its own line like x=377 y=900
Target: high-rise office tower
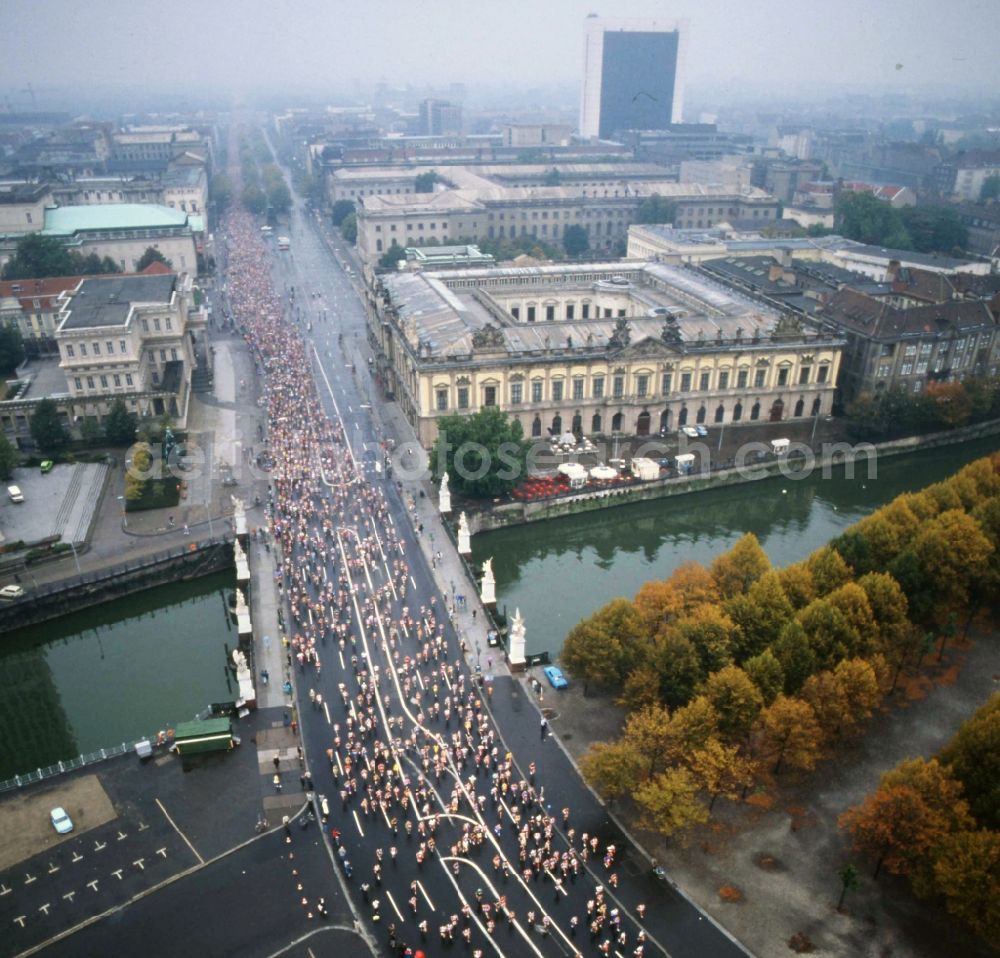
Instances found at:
x=633 y=75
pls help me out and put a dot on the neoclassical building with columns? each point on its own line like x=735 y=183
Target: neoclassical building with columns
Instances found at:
x=629 y=348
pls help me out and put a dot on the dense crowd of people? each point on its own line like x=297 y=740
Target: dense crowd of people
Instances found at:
x=413 y=753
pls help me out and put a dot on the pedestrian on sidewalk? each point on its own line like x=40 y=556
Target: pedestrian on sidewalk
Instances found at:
x=544 y=727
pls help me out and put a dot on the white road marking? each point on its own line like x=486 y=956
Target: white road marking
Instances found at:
x=357 y=822
x=326 y=712
x=392 y=902
x=427 y=898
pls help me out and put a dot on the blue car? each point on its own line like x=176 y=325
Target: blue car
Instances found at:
x=556 y=679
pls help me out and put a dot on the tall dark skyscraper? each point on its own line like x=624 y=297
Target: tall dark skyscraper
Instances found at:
x=632 y=75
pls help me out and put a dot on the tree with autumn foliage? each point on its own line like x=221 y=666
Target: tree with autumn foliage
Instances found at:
x=790 y=734
x=967 y=875
x=739 y=568
x=954 y=553
x=721 y=770
x=759 y=616
x=669 y=802
x=614 y=769
x=601 y=649
x=973 y=757
x=906 y=820
x=648 y=733
x=712 y=634
x=736 y=700
x=951 y=404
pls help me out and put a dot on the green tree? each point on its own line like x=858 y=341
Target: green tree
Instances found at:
x=484 y=454
x=973 y=758
x=152 y=255
x=93 y=265
x=600 y=649
x=829 y=633
x=736 y=700
x=678 y=666
x=46 y=427
x=424 y=182
x=766 y=673
x=341 y=209
x=990 y=189
x=254 y=199
x=120 y=424
x=576 y=242
x=760 y=615
x=11 y=348
x=37 y=256
x=656 y=209
x=552 y=177
x=279 y=196
x=9 y=457
x=795 y=655
x=863 y=217
x=221 y=191
x=849 y=878
x=392 y=256
x=692 y=726
x=712 y=634
x=934 y=229
x=349 y=228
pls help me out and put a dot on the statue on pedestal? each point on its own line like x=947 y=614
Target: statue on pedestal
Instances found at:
x=515 y=655
x=488 y=590
x=444 y=495
x=464 y=544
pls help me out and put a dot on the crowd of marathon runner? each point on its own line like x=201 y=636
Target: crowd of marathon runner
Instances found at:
x=413 y=752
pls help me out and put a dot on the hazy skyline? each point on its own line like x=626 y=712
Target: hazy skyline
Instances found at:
x=250 y=45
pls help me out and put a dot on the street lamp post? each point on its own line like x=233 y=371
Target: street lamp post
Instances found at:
x=121 y=499
x=76 y=558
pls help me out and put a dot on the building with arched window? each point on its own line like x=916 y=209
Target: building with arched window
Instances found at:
x=598 y=348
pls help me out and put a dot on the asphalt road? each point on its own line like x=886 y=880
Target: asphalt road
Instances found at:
x=247 y=903
x=446 y=881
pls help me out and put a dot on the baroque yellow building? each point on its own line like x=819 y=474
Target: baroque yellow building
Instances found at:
x=630 y=348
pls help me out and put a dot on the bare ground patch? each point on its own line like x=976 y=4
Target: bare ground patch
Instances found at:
x=782 y=850
x=27 y=829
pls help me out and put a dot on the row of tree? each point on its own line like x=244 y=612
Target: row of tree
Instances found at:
x=263 y=182
x=928 y=229
x=50 y=435
x=38 y=256
x=790 y=660
x=937 y=822
x=943 y=405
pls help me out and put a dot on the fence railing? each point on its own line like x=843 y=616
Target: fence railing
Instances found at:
x=35 y=590
x=81 y=761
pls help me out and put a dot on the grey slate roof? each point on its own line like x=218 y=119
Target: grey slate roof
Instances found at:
x=106 y=302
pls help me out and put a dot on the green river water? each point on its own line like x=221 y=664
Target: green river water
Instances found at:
x=560 y=571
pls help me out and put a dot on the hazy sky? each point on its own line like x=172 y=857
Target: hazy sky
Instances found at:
x=177 y=45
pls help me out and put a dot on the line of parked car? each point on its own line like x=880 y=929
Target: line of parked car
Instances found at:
x=694 y=432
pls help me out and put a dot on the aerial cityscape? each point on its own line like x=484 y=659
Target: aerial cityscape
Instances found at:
x=516 y=480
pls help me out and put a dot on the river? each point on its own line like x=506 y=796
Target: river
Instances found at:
x=558 y=572
x=113 y=672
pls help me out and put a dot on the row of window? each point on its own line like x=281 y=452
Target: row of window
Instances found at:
x=686 y=383
x=109 y=348
x=104 y=380
x=643 y=422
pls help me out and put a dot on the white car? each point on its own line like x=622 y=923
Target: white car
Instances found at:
x=11 y=592
x=61 y=822
x=690 y=432
x=14 y=494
